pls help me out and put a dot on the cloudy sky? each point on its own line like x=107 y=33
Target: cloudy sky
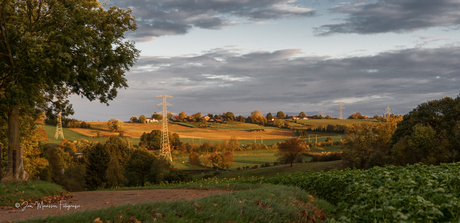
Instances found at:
x=216 y=56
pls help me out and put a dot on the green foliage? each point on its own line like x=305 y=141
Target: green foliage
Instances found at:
x=51 y=49
x=12 y=191
x=96 y=167
x=229 y=116
x=115 y=176
x=121 y=148
x=134 y=119
x=356 y=115
x=74 y=178
x=153 y=139
x=142 y=119
x=438 y=120
x=368 y=144
x=385 y=194
x=267 y=203
x=138 y=167
x=55 y=168
x=157 y=116
x=280 y=115
x=279 y=123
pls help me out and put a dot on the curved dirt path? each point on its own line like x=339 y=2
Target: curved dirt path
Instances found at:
x=102 y=199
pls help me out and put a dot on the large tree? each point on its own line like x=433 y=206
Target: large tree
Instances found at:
x=50 y=49
x=289 y=150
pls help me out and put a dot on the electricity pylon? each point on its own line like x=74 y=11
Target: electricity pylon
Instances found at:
x=59 y=132
x=165 y=151
x=388 y=112
x=340 y=107
x=321 y=112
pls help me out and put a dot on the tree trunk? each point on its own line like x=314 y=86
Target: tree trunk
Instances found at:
x=1 y=162
x=13 y=141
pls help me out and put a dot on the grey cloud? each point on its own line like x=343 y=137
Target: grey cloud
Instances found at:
x=175 y=17
x=286 y=76
x=273 y=81
x=393 y=16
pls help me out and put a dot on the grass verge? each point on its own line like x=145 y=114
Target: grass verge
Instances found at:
x=269 y=203
x=12 y=192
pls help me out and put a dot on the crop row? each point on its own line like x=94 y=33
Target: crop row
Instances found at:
x=413 y=193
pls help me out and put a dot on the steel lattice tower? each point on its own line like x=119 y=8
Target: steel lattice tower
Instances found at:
x=388 y=112
x=59 y=132
x=321 y=112
x=340 y=107
x=165 y=151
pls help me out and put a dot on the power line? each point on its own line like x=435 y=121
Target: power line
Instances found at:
x=165 y=147
x=388 y=112
x=59 y=132
x=340 y=107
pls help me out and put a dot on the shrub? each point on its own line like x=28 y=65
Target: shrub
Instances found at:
x=326 y=157
x=96 y=168
x=267 y=164
x=276 y=163
x=238 y=168
x=138 y=166
x=74 y=178
x=255 y=167
x=299 y=159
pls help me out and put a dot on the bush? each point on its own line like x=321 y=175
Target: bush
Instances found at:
x=299 y=159
x=276 y=163
x=326 y=157
x=74 y=178
x=216 y=173
x=96 y=168
x=267 y=164
x=238 y=168
x=138 y=166
x=255 y=167
x=177 y=176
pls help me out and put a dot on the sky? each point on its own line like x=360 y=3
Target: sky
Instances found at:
x=215 y=56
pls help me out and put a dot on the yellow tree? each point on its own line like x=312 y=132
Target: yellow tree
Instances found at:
x=194 y=159
x=289 y=150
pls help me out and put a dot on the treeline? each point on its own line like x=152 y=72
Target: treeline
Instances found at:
x=429 y=134
x=321 y=128
x=85 y=165
x=69 y=123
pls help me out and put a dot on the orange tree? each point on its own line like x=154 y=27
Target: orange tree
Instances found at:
x=289 y=150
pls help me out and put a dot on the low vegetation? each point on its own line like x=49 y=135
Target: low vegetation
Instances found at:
x=268 y=203
x=385 y=194
x=13 y=192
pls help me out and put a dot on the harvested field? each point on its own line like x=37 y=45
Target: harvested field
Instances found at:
x=135 y=130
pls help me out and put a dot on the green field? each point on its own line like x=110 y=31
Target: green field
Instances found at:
x=68 y=134
x=281 y=169
x=250 y=158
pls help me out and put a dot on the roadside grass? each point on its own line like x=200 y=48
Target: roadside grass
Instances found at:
x=12 y=192
x=269 y=203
